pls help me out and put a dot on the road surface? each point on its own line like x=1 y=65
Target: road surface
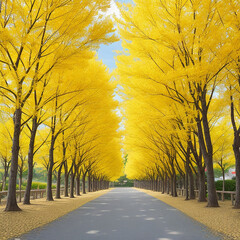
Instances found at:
x=123 y=214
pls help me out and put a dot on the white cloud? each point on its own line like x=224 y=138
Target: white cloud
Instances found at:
x=113 y=9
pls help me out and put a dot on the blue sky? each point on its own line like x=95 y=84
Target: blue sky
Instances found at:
x=106 y=53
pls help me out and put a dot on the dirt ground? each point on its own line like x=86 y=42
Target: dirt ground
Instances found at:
x=224 y=220
x=39 y=213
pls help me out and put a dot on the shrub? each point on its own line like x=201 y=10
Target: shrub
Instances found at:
x=23 y=187
x=35 y=185
x=39 y=185
x=230 y=185
x=17 y=187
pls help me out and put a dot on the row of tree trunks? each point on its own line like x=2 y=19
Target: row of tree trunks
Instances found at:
x=6 y=166
x=169 y=184
x=93 y=184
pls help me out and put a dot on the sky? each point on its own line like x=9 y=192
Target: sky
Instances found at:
x=106 y=53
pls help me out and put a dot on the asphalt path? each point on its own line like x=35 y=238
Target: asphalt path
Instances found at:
x=123 y=214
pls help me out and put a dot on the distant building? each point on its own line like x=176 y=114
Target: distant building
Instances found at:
x=228 y=175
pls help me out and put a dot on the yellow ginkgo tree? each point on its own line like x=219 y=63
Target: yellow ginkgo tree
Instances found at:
x=37 y=36
x=169 y=52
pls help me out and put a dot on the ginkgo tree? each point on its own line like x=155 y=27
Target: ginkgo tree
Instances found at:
x=80 y=128
x=37 y=37
x=170 y=52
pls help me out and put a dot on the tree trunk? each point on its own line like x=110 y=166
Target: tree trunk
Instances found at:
x=83 y=184
x=171 y=184
x=223 y=187
x=72 y=184
x=96 y=184
x=201 y=186
x=58 y=188
x=11 y=198
x=20 y=185
x=180 y=182
x=30 y=161
x=168 y=185
x=175 y=185
x=49 y=175
x=155 y=184
x=237 y=165
x=66 y=179
x=236 y=150
x=78 y=185
x=93 y=184
x=186 y=178
x=99 y=184
x=158 y=184
x=207 y=156
x=191 y=185
x=89 y=183
x=184 y=181
x=212 y=194
x=196 y=179
x=163 y=185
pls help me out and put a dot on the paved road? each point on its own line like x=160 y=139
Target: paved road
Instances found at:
x=123 y=214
